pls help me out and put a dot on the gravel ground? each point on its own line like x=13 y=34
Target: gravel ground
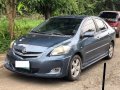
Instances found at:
x=91 y=78
x=2 y=57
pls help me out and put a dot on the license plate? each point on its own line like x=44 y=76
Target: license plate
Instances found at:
x=22 y=64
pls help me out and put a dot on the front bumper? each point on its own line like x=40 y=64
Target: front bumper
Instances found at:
x=39 y=67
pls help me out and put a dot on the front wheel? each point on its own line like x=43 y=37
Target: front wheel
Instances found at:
x=74 y=68
x=110 y=51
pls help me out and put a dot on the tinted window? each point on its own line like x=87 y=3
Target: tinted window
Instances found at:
x=65 y=26
x=100 y=24
x=109 y=15
x=88 y=26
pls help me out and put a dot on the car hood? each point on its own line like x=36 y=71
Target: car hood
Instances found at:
x=37 y=42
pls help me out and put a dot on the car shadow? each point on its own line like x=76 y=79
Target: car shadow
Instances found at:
x=38 y=80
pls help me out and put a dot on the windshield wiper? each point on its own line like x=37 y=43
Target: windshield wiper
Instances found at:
x=34 y=31
x=56 y=33
x=48 y=33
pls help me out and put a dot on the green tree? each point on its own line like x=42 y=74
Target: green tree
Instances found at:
x=86 y=7
x=48 y=7
x=116 y=4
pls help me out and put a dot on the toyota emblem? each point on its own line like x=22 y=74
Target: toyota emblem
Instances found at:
x=24 y=51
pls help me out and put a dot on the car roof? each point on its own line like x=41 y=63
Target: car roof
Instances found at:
x=112 y=11
x=72 y=16
x=117 y=12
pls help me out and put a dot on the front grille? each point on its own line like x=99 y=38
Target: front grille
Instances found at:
x=18 y=50
x=26 y=56
x=19 y=53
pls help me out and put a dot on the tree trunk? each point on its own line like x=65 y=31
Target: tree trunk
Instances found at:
x=47 y=14
x=11 y=13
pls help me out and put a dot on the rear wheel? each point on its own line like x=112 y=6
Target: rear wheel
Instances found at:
x=118 y=35
x=110 y=51
x=74 y=68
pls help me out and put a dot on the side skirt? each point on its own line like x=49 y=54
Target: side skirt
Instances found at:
x=94 y=60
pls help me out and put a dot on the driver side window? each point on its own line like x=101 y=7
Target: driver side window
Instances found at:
x=88 y=26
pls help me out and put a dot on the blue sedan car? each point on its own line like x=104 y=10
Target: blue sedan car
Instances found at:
x=61 y=47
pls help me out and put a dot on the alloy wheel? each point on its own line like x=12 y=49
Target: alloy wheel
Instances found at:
x=75 y=68
x=111 y=50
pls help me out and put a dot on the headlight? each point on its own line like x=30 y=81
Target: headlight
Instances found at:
x=11 y=44
x=60 y=50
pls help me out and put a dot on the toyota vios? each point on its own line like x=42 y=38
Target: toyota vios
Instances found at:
x=61 y=47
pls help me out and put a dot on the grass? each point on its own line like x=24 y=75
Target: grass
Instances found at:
x=22 y=26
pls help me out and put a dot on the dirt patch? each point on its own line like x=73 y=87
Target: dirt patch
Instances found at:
x=2 y=57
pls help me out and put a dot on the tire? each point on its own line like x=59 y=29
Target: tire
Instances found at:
x=118 y=35
x=74 y=68
x=110 y=51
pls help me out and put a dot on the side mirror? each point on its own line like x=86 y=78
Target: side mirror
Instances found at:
x=89 y=33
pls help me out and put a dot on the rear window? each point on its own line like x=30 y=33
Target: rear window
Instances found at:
x=109 y=15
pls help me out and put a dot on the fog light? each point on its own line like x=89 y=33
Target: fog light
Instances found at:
x=55 y=70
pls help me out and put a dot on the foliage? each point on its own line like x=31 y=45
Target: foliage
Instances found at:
x=4 y=36
x=2 y=6
x=69 y=7
x=87 y=7
x=49 y=7
x=63 y=7
x=21 y=8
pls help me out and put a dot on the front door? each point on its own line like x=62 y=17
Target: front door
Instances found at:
x=89 y=44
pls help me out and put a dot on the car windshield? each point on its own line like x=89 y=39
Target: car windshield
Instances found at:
x=58 y=26
x=111 y=16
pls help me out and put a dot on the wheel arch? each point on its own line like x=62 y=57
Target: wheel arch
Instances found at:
x=113 y=42
x=81 y=56
x=76 y=53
